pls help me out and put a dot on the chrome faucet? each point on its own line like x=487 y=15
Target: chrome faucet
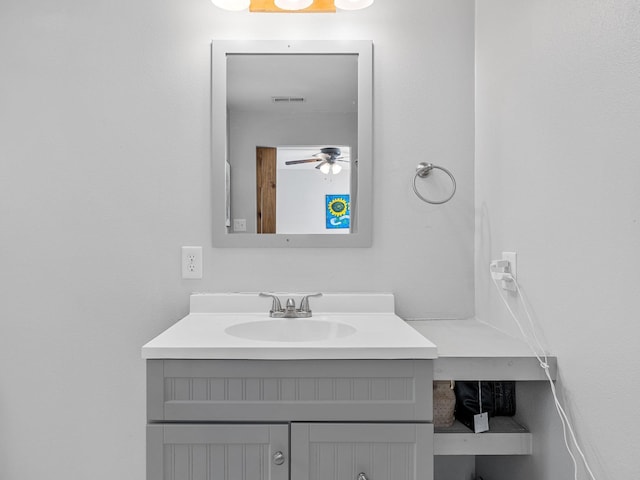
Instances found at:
x=290 y=310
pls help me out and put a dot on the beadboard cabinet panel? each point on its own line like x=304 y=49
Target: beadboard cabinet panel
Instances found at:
x=333 y=451
x=272 y=390
x=216 y=452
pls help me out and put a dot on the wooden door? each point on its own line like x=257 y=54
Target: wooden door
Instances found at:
x=266 y=169
x=342 y=451
x=217 y=452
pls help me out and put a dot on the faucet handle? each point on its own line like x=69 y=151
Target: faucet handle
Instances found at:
x=304 y=303
x=275 y=305
x=291 y=305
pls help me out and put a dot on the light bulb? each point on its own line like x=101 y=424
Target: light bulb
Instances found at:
x=233 y=5
x=325 y=167
x=335 y=168
x=293 y=4
x=353 y=4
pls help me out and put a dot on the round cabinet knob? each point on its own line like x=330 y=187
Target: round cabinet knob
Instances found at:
x=362 y=476
x=278 y=458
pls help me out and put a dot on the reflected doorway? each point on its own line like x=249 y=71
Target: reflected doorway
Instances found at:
x=266 y=185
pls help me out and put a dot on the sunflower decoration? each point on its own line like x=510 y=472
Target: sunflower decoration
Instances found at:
x=338 y=211
x=338 y=207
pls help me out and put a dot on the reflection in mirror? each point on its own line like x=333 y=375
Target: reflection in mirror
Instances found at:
x=295 y=124
x=274 y=100
x=310 y=193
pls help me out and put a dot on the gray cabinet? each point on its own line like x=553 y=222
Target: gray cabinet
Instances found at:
x=217 y=452
x=289 y=420
x=334 y=451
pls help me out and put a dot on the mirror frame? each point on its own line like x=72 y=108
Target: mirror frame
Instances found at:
x=363 y=210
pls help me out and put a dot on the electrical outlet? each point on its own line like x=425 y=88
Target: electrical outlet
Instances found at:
x=239 y=225
x=191 y=262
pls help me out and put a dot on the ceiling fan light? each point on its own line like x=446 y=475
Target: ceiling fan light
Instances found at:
x=325 y=167
x=353 y=4
x=293 y=4
x=335 y=168
x=233 y=5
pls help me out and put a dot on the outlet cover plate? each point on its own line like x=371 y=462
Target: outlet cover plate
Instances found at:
x=239 y=224
x=192 y=262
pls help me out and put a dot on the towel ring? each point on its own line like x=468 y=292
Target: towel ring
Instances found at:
x=423 y=170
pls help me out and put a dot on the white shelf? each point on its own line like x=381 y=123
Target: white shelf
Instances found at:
x=474 y=350
x=505 y=437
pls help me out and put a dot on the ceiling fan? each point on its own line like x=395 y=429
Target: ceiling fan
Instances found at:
x=328 y=158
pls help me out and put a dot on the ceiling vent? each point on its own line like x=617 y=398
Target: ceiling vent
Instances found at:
x=287 y=99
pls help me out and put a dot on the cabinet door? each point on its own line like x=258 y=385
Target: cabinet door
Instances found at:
x=217 y=452
x=341 y=451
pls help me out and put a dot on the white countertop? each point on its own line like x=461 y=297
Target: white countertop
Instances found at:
x=380 y=334
x=471 y=350
x=470 y=338
x=466 y=349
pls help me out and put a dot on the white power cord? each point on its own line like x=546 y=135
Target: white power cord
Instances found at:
x=500 y=271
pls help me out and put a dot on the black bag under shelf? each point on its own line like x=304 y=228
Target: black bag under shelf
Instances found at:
x=498 y=400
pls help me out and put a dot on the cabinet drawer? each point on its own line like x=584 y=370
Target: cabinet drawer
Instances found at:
x=286 y=390
x=332 y=451
x=216 y=452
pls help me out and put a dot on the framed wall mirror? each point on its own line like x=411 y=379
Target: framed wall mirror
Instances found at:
x=292 y=143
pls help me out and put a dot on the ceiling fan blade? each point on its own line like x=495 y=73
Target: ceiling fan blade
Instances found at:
x=306 y=160
x=321 y=164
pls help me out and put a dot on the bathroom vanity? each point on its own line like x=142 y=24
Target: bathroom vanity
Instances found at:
x=321 y=419
x=356 y=406
x=346 y=394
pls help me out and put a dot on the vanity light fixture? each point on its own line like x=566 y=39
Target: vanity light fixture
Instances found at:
x=292 y=6
x=353 y=4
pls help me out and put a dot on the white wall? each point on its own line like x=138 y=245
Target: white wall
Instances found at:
x=105 y=151
x=557 y=116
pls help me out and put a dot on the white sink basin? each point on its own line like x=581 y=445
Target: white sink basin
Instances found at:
x=290 y=330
